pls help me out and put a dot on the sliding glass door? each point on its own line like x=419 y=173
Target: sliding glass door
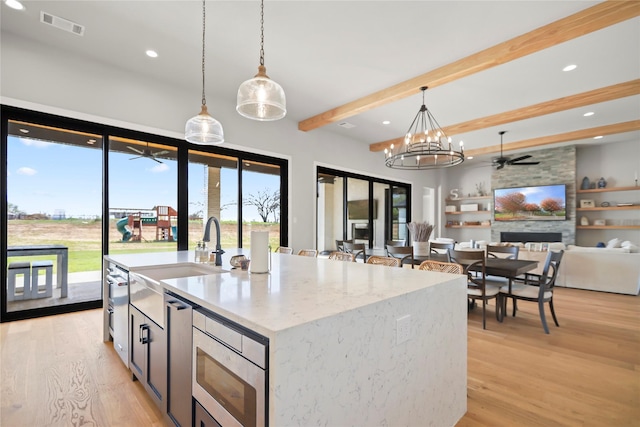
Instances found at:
x=261 y=201
x=54 y=217
x=243 y=193
x=213 y=192
x=143 y=196
x=74 y=191
x=359 y=208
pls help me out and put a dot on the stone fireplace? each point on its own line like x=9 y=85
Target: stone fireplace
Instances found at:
x=557 y=166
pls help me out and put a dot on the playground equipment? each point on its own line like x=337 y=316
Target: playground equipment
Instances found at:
x=160 y=217
x=123 y=227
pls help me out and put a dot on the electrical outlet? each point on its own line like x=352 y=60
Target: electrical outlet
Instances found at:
x=403 y=329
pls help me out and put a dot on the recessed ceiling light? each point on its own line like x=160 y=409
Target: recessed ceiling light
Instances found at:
x=469 y=157
x=386 y=122
x=24 y=130
x=570 y=67
x=152 y=53
x=91 y=141
x=14 y=4
x=598 y=137
x=590 y=113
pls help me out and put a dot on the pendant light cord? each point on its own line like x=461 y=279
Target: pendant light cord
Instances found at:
x=262 y=32
x=204 y=101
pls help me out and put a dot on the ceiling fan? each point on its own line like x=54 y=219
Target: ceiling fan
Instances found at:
x=146 y=152
x=501 y=161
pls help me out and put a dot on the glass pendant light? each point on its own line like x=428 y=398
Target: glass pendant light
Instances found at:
x=260 y=98
x=204 y=129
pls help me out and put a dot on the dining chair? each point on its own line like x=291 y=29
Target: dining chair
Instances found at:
x=508 y=252
x=384 y=260
x=496 y=251
x=340 y=244
x=439 y=251
x=537 y=288
x=396 y=243
x=404 y=253
x=357 y=249
x=478 y=286
x=442 y=267
x=342 y=256
x=308 y=252
x=284 y=250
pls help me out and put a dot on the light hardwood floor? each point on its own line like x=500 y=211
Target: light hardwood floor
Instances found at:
x=56 y=371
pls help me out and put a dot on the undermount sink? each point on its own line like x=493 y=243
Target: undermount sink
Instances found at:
x=174 y=271
x=146 y=293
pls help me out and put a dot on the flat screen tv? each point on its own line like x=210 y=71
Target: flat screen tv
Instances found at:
x=359 y=209
x=535 y=203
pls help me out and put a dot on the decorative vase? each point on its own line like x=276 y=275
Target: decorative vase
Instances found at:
x=585 y=183
x=420 y=248
x=602 y=183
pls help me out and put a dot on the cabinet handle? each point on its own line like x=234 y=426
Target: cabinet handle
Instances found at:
x=177 y=305
x=144 y=333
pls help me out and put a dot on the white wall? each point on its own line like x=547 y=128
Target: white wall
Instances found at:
x=39 y=77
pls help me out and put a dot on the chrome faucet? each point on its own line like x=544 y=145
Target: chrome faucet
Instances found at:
x=206 y=238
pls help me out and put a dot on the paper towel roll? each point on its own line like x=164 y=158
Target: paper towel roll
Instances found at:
x=259 y=252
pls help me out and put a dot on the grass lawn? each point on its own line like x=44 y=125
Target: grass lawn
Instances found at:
x=84 y=238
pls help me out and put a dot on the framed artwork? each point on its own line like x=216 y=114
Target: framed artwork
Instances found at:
x=599 y=222
x=587 y=203
x=544 y=247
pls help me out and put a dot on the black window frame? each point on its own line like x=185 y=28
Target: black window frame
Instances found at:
x=12 y=113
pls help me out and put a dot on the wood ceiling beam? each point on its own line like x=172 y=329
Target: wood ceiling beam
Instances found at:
x=609 y=93
x=612 y=129
x=584 y=22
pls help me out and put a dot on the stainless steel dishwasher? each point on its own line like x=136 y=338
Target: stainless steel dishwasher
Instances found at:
x=118 y=281
x=178 y=321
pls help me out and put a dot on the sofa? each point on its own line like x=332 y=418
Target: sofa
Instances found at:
x=601 y=269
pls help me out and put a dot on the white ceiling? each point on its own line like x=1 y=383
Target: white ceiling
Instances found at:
x=328 y=53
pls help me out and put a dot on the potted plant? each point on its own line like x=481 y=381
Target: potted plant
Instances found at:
x=420 y=233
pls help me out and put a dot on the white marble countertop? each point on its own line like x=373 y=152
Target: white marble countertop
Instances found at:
x=298 y=289
x=336 y=356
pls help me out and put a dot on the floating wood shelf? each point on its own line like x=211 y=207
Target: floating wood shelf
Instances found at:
x=604 y=190
x=469 y=198
x=467 y=226
x=468 y=212
x=608 y=208
x=608 y=227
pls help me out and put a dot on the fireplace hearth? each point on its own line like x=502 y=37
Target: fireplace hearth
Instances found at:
x=526 y=236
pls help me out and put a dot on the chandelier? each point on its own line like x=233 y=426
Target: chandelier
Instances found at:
x=426 y=146
x=203 y=129
x=261 y=98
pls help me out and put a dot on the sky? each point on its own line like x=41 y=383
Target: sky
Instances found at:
x=47 y=178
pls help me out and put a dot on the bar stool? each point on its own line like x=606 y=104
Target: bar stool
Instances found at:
x=16 y=268
x=36 y=267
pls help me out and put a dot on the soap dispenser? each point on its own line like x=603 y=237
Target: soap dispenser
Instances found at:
x=198 y=249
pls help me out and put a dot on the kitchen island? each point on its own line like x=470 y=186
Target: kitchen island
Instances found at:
x=336 y=356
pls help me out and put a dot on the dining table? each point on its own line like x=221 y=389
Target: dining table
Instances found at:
x=509 y=269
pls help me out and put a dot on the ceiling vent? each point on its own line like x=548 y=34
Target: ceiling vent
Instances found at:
x=61 y=23
x=346 y=125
